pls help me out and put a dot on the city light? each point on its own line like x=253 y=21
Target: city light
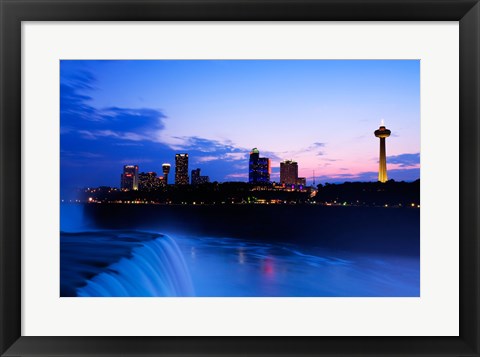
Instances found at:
x=149 y=188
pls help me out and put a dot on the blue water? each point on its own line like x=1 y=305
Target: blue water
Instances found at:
x=233 y=267
x=122 y=264
x=99 y=262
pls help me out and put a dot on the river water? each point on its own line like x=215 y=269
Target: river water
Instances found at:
x=160 y=255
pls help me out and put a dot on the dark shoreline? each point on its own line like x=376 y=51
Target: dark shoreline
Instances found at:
x=393 y=231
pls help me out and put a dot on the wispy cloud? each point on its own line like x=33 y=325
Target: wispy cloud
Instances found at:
x=226 y=157
x=240 y=166
x=316 y=148
x=237 y=175
x=202 y=159
x=79 y=117
x=236 y=156
x=128 y=144
x=206 y=150
x=405 y=160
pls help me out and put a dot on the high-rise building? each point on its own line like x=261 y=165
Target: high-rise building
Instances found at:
x=288 y=172
x=197 y=179
x=181 y=169
x=301 y=181
x=166 y=171
x=129 y=178
x=258 y=168
x=382 y=133
x=148 y=181
x=203 y=179
x=195 y=175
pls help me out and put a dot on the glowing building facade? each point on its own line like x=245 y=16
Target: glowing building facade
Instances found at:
x=288 y=173
x=382 y=133
x=181 y=169
x=301 y=181
x=166 y=171
x=258 y=168
x=129 y=178
x=197 y=179
x=148 y=181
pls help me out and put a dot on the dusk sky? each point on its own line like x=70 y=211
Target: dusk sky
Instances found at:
x=320 y=113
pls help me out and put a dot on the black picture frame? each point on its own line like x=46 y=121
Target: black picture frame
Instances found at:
x=13 y=12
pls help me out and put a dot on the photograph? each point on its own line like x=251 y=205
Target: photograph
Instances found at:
x=239 y=178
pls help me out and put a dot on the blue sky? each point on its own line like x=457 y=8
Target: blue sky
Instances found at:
x=320 y=113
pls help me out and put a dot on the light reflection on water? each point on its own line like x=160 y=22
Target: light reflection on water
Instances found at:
x=224 y=267
x=233 y=267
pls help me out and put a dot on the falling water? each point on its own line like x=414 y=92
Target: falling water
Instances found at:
x=123 y=264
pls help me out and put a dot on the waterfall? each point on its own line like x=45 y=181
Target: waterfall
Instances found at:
x=152 y=267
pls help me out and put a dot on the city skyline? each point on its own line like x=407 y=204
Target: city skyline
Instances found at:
x=130 y=179
x=318 y=113
x=259 y=171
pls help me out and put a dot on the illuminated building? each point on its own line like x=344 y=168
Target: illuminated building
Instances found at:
x=181 y=169
x=166 y=171
x=289 y=175
x=301 y=181
x=129 y=178
x=382 y=133
x=203 y=179
x=197 y=179
x=148 y=181
x=288 y=172
x=195 y=176
x=258 y=168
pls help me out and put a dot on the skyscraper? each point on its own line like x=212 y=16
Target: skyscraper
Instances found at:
x=181 y=169
x=148 y=181
x=258 y=168
x=288 y=172
x=166 y=171
x=382 y=133
x=129 y=178
x=197 y=179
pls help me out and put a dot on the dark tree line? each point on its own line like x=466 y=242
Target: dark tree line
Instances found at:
x=348 y=193
x=371 y=193
x=207 y=193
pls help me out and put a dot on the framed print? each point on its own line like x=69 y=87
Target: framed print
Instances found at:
x=252 y=178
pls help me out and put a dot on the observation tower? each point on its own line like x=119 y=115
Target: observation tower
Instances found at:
x=166 y=171
x=382 y=133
